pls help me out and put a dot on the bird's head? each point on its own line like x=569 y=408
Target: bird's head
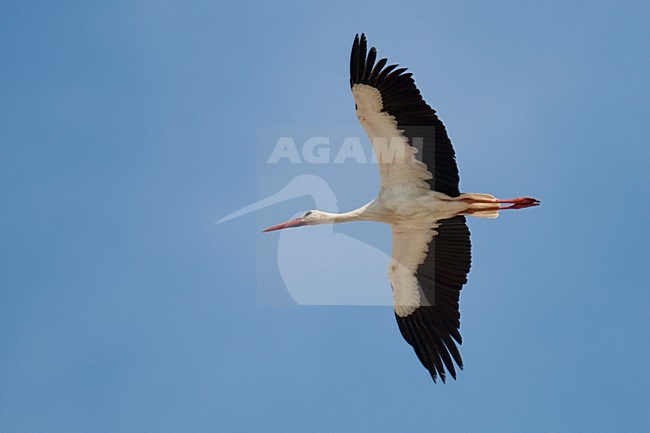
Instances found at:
x=309 y=218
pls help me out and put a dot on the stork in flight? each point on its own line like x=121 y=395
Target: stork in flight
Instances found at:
x=420 y=199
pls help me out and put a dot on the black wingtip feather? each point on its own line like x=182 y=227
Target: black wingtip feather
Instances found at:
x=446 y=358
x=370 y=63
x=422 y=330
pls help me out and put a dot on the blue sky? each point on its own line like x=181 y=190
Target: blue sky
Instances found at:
x=128 y=128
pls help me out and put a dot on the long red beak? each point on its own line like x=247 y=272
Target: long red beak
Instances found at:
x=291 y=223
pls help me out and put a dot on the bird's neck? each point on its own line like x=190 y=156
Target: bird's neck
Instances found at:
x=353 y=215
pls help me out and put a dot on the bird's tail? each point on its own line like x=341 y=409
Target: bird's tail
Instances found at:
x=481 y=205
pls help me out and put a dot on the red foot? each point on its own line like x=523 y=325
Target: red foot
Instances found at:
x=519 y=203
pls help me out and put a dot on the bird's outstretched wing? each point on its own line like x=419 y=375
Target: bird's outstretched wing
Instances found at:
x=427 y=271
x=398 y=121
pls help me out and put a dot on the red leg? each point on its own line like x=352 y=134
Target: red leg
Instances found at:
x=519 y=203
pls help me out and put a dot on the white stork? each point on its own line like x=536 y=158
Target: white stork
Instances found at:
x=420 y=199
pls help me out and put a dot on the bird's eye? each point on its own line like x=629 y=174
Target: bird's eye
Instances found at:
x=307 y=214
